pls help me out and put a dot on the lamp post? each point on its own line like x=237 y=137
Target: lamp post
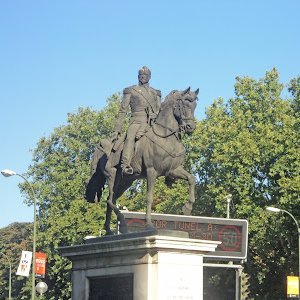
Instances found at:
x=8 y=173
x=276 y=210
x=9 y=283
x=228 y=199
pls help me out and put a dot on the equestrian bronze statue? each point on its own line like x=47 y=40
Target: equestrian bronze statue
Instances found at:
x=158 y=152
x=152 y=146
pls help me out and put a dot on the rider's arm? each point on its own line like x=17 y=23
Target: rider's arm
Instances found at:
x=123 y=110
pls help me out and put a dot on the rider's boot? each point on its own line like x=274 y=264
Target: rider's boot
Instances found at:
x=126 y=158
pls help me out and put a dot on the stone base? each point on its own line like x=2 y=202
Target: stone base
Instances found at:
x=139 y=267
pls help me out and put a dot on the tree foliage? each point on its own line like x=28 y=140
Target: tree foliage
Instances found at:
x=58 y=175
x=13 y=239
x=247 y=146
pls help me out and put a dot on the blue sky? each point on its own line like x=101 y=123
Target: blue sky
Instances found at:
x=57 y=56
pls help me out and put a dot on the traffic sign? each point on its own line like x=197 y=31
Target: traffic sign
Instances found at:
x=233 y=233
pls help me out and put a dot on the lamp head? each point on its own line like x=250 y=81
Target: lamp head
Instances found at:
x=273 y=209
x=8 y=173
x=41 y=287
x=228 y=197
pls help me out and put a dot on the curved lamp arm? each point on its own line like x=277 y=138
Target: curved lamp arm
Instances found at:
x=8 y=173
x=275 y=209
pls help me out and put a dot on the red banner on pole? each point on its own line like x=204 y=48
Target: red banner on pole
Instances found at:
x=40 y=264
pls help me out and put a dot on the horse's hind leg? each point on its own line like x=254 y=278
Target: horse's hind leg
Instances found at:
x=108 y=219
x=121 y=185
x=110 y=173
x=183 y=174
x=116 y=188
x=151 y=177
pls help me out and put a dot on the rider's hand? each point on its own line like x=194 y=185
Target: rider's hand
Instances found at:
x=138 y=136
x=114 y=136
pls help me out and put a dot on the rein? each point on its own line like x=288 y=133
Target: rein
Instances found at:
x=166 y=127
x=183 y=112
x=182 y=119
x=177 y=132
x=162 y=144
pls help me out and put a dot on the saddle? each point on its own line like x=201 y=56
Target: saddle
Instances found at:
x=116 y=151
x=113 y=151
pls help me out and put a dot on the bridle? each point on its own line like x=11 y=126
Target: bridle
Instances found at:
x=182 y=115
x=181 y=119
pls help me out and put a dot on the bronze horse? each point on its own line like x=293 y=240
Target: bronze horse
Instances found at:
x=159 y=152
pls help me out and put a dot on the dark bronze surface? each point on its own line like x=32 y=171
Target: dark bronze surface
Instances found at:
x=154 y=137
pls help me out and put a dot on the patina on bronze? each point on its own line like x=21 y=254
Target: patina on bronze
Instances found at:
x=158 y=152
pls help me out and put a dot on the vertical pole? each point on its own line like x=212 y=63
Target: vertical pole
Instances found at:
x=33 y=251
x=228 y=208
x=298 y=228
x=299 y=263
x=34 y=236
x=8 y=173
x=9 y=288
x=228 y=199
x=9 y=283
x=237 y=284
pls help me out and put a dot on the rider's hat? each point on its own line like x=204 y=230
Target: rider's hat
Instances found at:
x=144 y=70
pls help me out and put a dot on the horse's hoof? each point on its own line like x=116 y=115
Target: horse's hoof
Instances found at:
x=123 y=229
x=187 y=209
x=109 y=232
x=149 y=226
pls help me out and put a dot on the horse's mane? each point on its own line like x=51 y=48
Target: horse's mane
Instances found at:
x=168 y=101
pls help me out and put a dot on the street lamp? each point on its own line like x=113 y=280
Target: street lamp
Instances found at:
x=228 y=199
x=8 y=173
x=9 y=283
x=41 y=288
x=276 y=210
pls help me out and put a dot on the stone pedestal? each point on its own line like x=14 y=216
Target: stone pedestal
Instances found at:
x=139 y=267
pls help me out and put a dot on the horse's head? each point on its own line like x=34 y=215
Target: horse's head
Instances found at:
x=184 y=107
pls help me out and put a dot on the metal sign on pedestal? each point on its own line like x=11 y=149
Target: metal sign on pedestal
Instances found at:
x=233 y=233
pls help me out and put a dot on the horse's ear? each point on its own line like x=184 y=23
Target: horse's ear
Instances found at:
x=197 y=91
x=186 y=91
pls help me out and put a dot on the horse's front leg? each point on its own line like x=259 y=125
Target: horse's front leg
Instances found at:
x=151 y=177
x=115 y=191
x=107 y=220
x=181 y=173
x=110 y=174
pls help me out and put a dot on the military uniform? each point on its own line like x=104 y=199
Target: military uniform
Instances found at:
x=144 y=103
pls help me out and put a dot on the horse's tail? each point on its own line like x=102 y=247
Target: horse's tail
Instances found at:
x=95 y=185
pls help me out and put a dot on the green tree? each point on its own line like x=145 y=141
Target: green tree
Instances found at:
x=58 y=175
x=294 y=88
x=13 y=239
x=249 y=147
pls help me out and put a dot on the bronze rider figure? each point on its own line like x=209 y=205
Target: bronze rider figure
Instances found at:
x=144 y=103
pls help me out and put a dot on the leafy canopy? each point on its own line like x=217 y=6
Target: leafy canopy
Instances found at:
x=247 y=146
